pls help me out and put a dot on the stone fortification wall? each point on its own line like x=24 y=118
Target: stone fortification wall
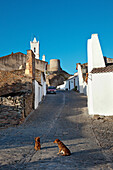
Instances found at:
x=13 y=61
x=54 y=65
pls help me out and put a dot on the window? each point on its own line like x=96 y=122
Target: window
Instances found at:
x=34 y=50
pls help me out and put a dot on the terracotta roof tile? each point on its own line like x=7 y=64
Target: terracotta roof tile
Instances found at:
x=103 y=69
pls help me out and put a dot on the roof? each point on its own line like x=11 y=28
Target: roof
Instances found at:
x=102 y=69
x=108 y=61
x=13 y=54
x=76 y=74
x=82 y=65
x=71 y=77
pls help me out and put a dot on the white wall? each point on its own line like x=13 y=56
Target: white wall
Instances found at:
x=37 y=94
x=80 y=78
x=72 y=81
x=66 y=85
x=81 y=84
x=90 y=95
x=90 y=57
x=95 y=56
x=102 y=94
x=85 y=88
x=95 y=85
x=43 y=86
x=61 y=87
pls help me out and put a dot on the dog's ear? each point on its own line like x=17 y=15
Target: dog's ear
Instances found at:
x=35 y=138
x=56 y=140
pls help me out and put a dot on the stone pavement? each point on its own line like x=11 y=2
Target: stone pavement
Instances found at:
x=62 y=116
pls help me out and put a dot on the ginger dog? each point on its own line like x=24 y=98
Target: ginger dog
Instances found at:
x=37 y=144
x=63 y=150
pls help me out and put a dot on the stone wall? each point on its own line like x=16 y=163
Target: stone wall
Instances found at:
x=15 y=108
x=40 y=65
x=14 y=61
x=30 y=64
x=55 y=65
x=28 y=103
x=14 y=81
x=16 y=88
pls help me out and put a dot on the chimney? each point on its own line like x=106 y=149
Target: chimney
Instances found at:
x=30 y=64
x=43 y=57
x=95 y=56
x=77 y=65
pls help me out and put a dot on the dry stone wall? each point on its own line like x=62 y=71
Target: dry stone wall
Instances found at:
x=14 y=108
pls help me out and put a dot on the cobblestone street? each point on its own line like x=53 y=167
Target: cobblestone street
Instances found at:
x=62 y=116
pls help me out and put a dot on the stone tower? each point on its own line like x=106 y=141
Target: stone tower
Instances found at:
x=55 y=65
x=35 y=47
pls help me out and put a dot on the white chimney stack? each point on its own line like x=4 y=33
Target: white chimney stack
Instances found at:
x=43 y=57
x=95 y=56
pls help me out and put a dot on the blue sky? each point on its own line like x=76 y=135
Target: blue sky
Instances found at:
x=61 y=26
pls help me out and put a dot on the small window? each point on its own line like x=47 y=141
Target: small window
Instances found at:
x=34 y=50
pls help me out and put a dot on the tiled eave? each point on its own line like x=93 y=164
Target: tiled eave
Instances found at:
x=102 y=69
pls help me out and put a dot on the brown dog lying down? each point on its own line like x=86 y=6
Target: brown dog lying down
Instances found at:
x=63 y=150
x=37 y=144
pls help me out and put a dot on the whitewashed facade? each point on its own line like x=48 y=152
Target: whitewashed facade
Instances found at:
x=69 y=84
x=81 y=82
x=40 y=86
x=37 y=94
x=100 y=80
x=43 y=83
x=101 y=97
x=40 y=90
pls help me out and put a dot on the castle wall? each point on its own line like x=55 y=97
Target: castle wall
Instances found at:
x=54 y=65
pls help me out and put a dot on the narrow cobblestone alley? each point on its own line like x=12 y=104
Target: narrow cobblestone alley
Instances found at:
x=64 y=116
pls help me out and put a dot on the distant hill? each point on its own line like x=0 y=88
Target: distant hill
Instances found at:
x=56 y=78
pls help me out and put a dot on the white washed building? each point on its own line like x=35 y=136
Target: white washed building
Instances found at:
x=100 y=80
x=40 y=87
x=81 y=80
x=40 y=73
x=69 y=84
